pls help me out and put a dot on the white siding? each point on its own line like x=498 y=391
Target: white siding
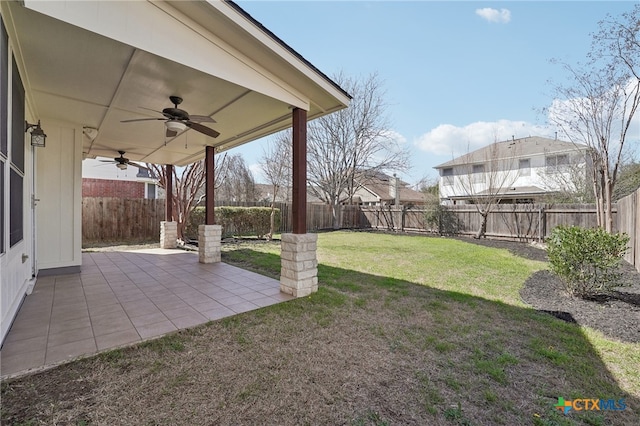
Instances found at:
x=58 y=213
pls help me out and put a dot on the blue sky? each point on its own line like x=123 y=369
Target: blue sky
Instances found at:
x=457 y=74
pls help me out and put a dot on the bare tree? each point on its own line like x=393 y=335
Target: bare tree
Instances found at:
x=276 y=165
x=188 y=183
x=598 y=106
x=344 y=145
x=485 y=177
x=238 y=183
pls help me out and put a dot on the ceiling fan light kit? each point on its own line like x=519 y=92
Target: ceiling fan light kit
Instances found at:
x=121 y=166
x=177 y=120
x=175 y=126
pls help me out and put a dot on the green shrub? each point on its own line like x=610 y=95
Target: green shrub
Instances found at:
x=440 y=218
x=587 y=260
x=237 y=221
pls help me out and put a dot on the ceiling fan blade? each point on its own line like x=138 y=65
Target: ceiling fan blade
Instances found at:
x=171 y=133
x=203 y=129
x=201 y=119
x=138 y=165
x=107 y=161
x=141 y=119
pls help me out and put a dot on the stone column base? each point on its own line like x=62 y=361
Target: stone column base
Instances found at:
x=299 y=273
x=168 y=235
x=209 y=243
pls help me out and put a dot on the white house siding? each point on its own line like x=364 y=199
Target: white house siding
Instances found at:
x=16 y=262
x=59 y=188
x=538 y=176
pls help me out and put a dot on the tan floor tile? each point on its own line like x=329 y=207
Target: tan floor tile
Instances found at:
x=156 y=329
x=24 y=346
x=180 y=312
x=242 y=307
x=68 y=336
x=20 y=362
x=70 y=350
x=189 y=321
x=118 y=338
x=60 y=326
x=26 y=333
x=112 y=326
x=149 y=319
x=218 y=313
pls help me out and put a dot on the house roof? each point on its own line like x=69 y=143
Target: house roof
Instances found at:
x=379 y=184
x=93 y=64
x=515 y=148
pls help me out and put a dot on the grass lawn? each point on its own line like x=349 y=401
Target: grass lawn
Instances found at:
x=403 y=330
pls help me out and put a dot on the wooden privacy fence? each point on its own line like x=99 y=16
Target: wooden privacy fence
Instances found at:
x=523 y=222
x=628 y=221
x=121 y=219
x=117 y=219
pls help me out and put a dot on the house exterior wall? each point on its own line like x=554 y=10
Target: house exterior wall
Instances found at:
x=539 y=175
x=17 y=264
x=112 y=188
x=59 y=211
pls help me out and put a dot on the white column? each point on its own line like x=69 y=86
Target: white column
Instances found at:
x=299 y=272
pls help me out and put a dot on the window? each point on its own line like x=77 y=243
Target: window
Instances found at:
x=525 y=167
x=556 y=163
x=151 y=191
x=478 y=173
x=15 y=203
x=4 y=102
x=16 y=179
x=4 y=85
x=1 y=206
x=447 y=176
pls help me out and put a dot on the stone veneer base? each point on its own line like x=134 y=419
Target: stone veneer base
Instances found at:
x=299 y=271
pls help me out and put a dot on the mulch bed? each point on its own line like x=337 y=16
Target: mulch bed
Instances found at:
x=616 y=315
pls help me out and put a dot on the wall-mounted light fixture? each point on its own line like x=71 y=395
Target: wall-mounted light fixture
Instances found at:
x=38 y=138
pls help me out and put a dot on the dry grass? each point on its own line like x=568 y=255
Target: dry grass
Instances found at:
x=371 y=347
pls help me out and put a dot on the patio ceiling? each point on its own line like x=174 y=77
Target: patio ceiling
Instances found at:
x=95 y=64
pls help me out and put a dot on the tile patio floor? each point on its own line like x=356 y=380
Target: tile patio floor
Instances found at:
x=121 y=298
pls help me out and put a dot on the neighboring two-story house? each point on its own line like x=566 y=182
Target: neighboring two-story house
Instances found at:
x=521 y=170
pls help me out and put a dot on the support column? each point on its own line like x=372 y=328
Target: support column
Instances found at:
x=169 y=228
x=209 y=235
x=299 y=202
x=169 y=192
x=209 y=169
x=299 y=271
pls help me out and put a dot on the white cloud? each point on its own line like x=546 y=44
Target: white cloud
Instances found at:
x=447 y=139
x=394 y=136
x=501 y=16
x=256 y=171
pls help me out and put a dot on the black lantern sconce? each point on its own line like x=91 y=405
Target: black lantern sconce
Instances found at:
x=38 y=138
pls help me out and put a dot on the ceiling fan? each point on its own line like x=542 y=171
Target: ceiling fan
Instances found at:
x=122 y=162
x=177 y=120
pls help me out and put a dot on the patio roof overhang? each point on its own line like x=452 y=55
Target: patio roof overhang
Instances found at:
x=97 y=63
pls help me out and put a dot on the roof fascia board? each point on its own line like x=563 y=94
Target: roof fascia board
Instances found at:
x=271 y=41
x=157 y=28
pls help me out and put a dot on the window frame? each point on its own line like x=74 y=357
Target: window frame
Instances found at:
x=478 y=173
x=524 y=171
x=447 y=176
